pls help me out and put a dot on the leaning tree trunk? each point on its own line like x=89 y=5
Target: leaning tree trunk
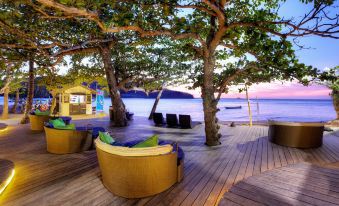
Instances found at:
x=30 y=93
x=210 y=104
x=16 y=102
x=53 y=104
x=154 y=108
x=335 y=98
x=119 y=110
x=5 y=109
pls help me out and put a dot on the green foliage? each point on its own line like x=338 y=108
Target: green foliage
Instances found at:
x=331 y=79
x=256 y=51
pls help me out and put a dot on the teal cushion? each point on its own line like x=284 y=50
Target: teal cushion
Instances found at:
x=66 y=127
x=57 y=123
x=40 y=113
x=106 y=138
x=149 y=142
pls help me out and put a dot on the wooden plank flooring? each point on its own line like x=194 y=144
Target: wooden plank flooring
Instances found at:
x=298 y=184
x=47 y=179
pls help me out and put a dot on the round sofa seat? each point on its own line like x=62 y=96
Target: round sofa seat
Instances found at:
x=296 y=134
x=67 y=141
x=38 y=122
x=137 y=176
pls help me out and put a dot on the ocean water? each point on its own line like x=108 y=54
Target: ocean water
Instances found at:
x=302 y=110
x=263 y=109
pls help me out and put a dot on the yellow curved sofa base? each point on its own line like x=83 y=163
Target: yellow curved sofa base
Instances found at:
x=38 y=122
x=137 y=176
x=67 y=141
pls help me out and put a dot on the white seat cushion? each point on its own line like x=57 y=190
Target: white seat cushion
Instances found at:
x=133 y=152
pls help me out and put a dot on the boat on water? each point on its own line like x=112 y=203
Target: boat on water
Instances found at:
x=233 y=107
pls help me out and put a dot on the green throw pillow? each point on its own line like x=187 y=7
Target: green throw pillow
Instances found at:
x=149 y=142
x=40 y=113
x=106 y=138
x=66 y=127
x=57 y=123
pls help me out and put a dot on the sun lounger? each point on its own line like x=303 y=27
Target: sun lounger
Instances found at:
x=158 y=119
x=171 y=120
x=185 y=121
x=129 y=115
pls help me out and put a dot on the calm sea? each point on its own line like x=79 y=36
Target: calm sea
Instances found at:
x=263 y=109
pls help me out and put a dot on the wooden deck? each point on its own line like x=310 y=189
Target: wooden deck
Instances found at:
x=48 y=179
x=298 y=184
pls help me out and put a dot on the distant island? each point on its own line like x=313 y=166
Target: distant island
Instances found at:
x=40 y=91
x=166 y=94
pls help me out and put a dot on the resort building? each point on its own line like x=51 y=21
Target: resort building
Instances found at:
x=74 y=100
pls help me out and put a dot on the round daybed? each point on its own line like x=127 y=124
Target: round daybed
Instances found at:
x=138 y=172
x=296 y=134
x=67 y=141
x=38 y=121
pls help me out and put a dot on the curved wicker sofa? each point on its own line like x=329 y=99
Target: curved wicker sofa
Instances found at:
x=296 y=134
x=136 y=176
x=38 y=121
x=67 y=141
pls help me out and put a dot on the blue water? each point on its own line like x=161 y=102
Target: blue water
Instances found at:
x=310 y=110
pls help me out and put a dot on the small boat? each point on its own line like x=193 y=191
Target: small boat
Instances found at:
x=233 y=107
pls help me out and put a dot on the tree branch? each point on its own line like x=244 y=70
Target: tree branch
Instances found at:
x=93 y=16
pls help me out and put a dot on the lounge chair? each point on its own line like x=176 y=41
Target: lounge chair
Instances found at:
x=129 y=115
x=185 y=121
x=158 y=119
x=171 y=120
x=139 y=172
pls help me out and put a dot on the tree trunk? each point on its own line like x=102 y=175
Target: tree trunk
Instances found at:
x=154 y=108
x=210 y=103
x=30 y=93
x=5 y=109
x=335 y=98
x=119 y=110
x=17 y=97
x=53 y=104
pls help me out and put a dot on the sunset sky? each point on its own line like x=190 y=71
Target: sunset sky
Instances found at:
x=275 y=90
